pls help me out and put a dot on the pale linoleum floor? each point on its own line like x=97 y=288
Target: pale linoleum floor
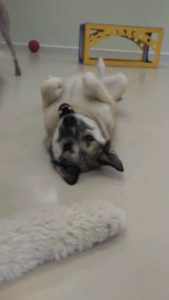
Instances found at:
x=132 y=267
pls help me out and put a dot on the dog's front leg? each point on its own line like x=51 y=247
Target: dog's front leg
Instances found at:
x=96 y=88
x=51 y=90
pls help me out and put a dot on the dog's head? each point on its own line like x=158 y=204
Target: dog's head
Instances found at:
x=78 y=145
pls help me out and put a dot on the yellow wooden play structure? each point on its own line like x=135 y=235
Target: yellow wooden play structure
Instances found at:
x=146 y=38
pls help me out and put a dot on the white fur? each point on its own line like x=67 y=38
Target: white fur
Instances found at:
x=54 y=232
x=56 y=146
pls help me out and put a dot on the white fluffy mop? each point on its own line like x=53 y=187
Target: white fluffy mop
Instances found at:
x=54 y=232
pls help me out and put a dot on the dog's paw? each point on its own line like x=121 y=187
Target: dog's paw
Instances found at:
x=52 y=88
x=122 y=79
x=56 y=86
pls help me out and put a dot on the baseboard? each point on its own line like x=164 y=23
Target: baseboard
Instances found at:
x=58 y=48
x=115 y=53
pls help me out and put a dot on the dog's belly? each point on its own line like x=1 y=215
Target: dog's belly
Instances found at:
x=80 y=99
x=77 y=95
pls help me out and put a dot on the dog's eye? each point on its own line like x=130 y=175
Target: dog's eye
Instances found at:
x=88 y=139
x=67 y=147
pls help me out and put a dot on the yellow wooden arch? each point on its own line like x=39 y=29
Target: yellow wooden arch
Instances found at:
x=143 y=37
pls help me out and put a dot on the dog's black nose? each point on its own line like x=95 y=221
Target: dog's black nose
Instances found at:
x=69 y=121
x=65 y=109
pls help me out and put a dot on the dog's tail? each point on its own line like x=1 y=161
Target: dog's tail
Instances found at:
x=101 y=67
x=51 y=89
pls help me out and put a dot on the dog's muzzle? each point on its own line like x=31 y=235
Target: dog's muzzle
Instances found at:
x=64 y=110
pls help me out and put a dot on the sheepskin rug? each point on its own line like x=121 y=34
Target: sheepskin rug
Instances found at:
x=53 y=233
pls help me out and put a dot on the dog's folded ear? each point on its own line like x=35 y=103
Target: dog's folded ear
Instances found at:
x=70 y=174
x=110 y=158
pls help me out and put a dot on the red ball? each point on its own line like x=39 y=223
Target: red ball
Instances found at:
x=34 y=46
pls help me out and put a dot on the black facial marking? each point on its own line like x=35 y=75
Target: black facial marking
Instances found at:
x=72 y=127
x=69 y=121
x=88 y=139
x=69 y=172
x=67 y=147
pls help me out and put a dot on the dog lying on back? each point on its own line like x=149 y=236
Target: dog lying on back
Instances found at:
x=79 y=117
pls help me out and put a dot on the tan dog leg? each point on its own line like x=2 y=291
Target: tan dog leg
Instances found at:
x=4 y=27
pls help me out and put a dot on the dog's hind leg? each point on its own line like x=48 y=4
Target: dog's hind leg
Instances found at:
x=116 y=85
x=96 y=88
x=51 y=90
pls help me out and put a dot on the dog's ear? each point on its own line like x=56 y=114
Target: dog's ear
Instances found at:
x=70 y=174
x=110 y=158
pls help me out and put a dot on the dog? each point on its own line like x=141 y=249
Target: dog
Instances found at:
x=79 y=118
x=4 y=28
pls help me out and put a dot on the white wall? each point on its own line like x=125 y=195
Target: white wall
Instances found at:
x=56 y=22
